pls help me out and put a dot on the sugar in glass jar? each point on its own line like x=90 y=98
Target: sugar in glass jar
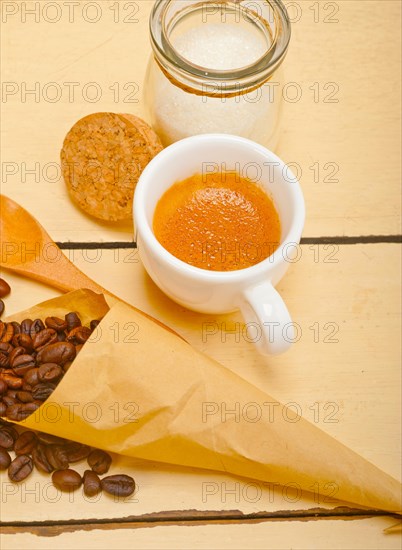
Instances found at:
x=214 y=68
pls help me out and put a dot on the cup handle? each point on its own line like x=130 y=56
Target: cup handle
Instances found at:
x=263 y=308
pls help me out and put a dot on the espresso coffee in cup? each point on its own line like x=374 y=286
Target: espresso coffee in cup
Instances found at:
x=218 y=221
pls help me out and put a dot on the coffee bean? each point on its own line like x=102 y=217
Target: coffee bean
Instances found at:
x=76 y=451
x=6 y=439
x=6 y=348
x=79 y=335
x=37 y=326
x=92 y=483
x=43 y=391
x=1 y=307
x=72 y=320
x=12 y=381
x=6 y=332
x=49 y=372
x=17 y=327
x=31 y=377
x=26 y=326
x=22 y=364
x=40 y=460
x=23 y=340
x=119 y=485
x=67 y=480
x=60 y=454
x=4 y=360
x=4 y=288
x=10 y=429
x=21 y=411
x=5 y=459
x=52 y=459
x=20 y=468
x=25 y=397
x=57 y=324
x=59 y=353
x=3 y=409
x=57 y=457
x=26 y=443
x=49 y=439
x=19 y=350
x=99 y=461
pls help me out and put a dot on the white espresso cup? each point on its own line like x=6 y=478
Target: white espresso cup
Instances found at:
x=251 y=289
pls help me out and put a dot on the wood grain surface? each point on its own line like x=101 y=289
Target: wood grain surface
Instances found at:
x=342 y=137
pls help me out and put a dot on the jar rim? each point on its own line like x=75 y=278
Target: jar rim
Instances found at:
x=250 y=75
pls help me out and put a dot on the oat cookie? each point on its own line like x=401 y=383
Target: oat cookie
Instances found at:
x=102 y=158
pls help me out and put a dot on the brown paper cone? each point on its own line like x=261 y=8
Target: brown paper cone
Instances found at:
x=138 y=390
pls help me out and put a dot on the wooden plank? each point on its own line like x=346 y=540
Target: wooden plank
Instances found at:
x=342 y=136
x=349 y=387
x=331 y=58
x=361 y=534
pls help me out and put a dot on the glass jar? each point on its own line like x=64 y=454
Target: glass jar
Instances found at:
x=212 y=68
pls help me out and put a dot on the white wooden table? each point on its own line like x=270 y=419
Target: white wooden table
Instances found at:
x=343 y=139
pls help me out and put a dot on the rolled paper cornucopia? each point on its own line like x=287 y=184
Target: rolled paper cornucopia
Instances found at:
x=140 y=390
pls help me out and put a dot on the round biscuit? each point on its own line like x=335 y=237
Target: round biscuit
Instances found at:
x=102 y=158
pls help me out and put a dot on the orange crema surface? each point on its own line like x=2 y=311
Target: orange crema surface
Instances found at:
x=219 y=221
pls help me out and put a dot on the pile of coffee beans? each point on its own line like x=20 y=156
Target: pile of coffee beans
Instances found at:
x=51 y=454
x=34 y=356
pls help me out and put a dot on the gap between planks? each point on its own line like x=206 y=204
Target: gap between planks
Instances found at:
x=364 y=239
x=188 y=518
